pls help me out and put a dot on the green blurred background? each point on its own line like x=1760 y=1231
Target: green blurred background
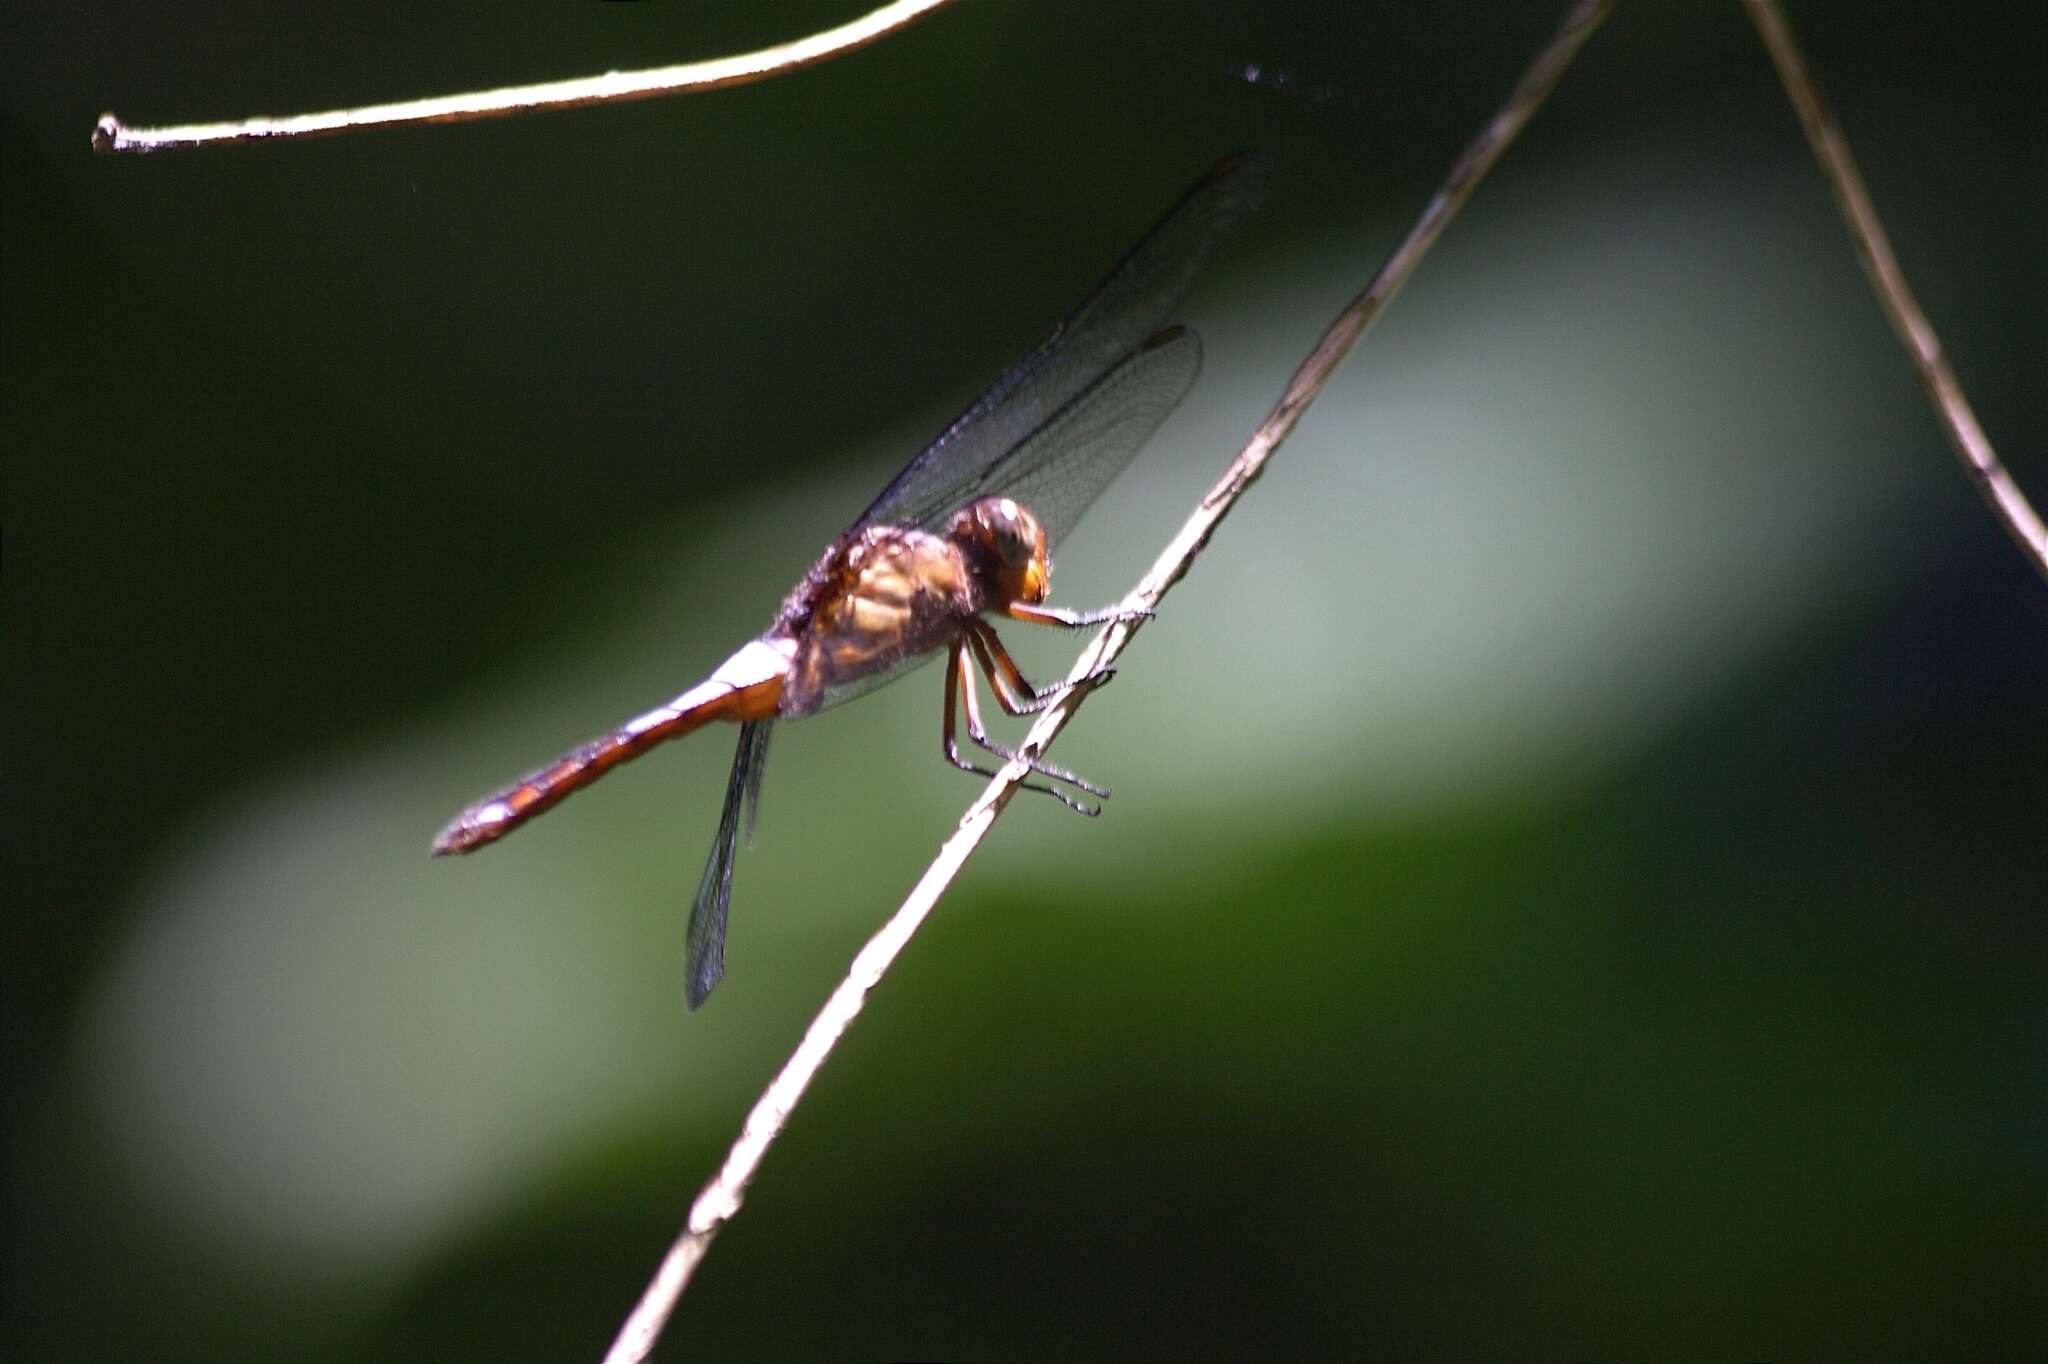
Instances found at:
x=1576 y=882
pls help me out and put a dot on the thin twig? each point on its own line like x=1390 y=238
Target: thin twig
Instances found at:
x=612 y=87
x=1831 y=149
x=721 y=1198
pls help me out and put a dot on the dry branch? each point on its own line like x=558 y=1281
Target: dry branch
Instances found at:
x=721 y=1198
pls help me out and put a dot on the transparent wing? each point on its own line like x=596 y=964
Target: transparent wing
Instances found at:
x=705 y=940
x=1132 y=304
x=1063 y=466
x=1060 y=469
x=1072 y=458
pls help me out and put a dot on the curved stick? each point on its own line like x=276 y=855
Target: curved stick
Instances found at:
x=1874 y=249
x=111 y=135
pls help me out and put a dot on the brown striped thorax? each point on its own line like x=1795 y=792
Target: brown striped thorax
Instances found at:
x=887 y=594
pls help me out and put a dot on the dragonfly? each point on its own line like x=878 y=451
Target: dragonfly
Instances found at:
x=963 y=532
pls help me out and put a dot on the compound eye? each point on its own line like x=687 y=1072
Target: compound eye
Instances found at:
x=1012 y=530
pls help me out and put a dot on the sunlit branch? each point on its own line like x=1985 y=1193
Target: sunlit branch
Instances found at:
x=613 y=87
x=722 y=1197
x=1831 y=149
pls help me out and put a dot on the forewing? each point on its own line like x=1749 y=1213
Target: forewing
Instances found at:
x=1133 y=303
x=1061 y=469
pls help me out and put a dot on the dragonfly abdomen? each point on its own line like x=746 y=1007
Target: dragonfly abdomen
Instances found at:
x=747 y=686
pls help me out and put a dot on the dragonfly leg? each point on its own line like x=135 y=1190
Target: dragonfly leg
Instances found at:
x=1008 y=680
x=1074 y=620
x=960 y=689
x=980 y=736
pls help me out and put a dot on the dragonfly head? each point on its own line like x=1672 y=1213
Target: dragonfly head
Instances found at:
x=1009 y=542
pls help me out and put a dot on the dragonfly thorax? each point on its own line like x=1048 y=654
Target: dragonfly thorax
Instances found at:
x=881 y=598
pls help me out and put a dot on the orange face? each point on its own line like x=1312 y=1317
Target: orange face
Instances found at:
x=1015 y=541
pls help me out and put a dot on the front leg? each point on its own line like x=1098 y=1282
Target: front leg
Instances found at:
x=1074 y=620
